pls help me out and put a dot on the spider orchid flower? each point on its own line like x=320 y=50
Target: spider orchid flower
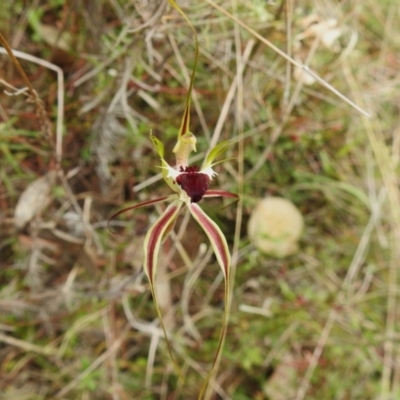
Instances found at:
x=189 y=184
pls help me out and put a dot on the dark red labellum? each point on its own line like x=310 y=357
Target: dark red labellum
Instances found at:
x=193 y=182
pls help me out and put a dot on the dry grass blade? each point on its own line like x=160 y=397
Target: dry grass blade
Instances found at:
x=26 y=346
x=304 y=68
x=42 y=114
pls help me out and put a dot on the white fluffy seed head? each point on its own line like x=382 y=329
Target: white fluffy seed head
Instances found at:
x=275 y=226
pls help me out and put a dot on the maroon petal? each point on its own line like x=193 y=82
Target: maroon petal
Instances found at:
x=194 y=183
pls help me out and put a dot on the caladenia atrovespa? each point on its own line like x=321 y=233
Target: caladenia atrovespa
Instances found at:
x=190 y=184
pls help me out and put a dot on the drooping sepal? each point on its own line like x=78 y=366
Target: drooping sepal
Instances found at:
x=220 y=247
x=154 y=237
x=152 y=243
x=215 y=236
